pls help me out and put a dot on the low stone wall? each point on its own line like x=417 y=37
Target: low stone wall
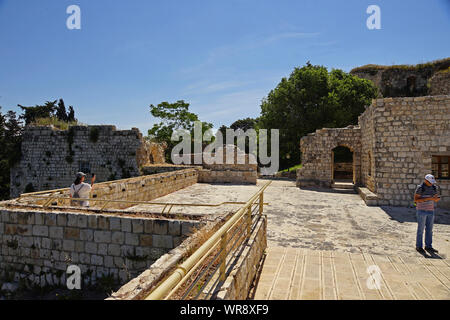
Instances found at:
x=139 y=287
x=144 y=188
x=238 y=283
x=161 y=168
x=228 y=176
x=39 y=246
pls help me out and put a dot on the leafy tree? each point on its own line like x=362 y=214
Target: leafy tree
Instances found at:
x=174 y=116
x=61 y=112
x=10 y=140
x=31 y=114
x=50 y=109
x=310 y=99
x=244 y=124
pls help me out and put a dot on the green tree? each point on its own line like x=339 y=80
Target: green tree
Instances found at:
x=31 y=114
x=244 y=124
x=61 y=112
x=51 y=109
x=10 y=140
x=174 y=116
x=310 y=99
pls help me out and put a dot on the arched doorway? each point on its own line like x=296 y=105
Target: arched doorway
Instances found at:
x=343 y=165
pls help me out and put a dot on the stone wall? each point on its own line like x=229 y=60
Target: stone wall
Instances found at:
x=51 y=157
x=143 y=188
x=405 y=80
x=161 y=168
x=242 y=169
x=237 y=285
x=393 y=148
x=407 y=132
x=440 y=83
x=317 y=155
x=368 y=144
x=38 y=246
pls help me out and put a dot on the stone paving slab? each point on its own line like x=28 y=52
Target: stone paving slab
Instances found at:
x=304 y=274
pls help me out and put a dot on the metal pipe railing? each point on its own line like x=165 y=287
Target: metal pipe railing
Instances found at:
x=184 y=269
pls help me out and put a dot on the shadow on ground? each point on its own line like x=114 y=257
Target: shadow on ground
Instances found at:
x=401 y=214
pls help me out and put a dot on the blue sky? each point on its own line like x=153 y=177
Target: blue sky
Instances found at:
x=223 y=57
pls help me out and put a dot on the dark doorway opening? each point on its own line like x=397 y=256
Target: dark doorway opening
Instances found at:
x=343 y=164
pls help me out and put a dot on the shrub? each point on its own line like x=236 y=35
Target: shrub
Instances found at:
x=54 y=121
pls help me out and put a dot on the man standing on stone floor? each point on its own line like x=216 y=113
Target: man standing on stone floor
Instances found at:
x=425 y=198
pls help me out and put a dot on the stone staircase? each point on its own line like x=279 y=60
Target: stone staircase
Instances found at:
x=343 y=187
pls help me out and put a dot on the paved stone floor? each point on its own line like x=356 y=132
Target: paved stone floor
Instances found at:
x=321 y=243
x=303 y=274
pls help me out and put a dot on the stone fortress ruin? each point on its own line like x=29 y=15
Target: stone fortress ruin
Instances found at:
x=398 y=140
x=147 y=218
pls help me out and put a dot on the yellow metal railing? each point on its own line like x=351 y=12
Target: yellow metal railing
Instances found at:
x=214 y=257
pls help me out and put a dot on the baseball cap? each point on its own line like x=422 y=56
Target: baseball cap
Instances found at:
x=80 y=175
x=430 y=178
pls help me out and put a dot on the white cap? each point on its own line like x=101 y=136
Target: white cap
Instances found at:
x=430 y=178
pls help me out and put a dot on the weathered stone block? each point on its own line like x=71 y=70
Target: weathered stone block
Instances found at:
x=92 y=222
x=131 y=239
x=69 y=245
x=41 y=231
x=102 y=249
x=56 y=232
x=96 y=260
x=114 y=250
x=72 y=233
x=102 y=236
x=114 y=224
x=103 y=223
x=90 y=247
x=86 y=235
x=174 y=228
x=146 y=240
x=126 y=225
x=148 y=226
x=118 y=237
x=162 y=241
x=137 y=225
x=160 y=227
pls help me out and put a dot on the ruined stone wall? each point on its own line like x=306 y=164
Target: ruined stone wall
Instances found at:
x=368 y=144
x=404 y=80
x=408 y=132
x=317 y=155
x=440 y=83
x=38 y=246
x=51 y=157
